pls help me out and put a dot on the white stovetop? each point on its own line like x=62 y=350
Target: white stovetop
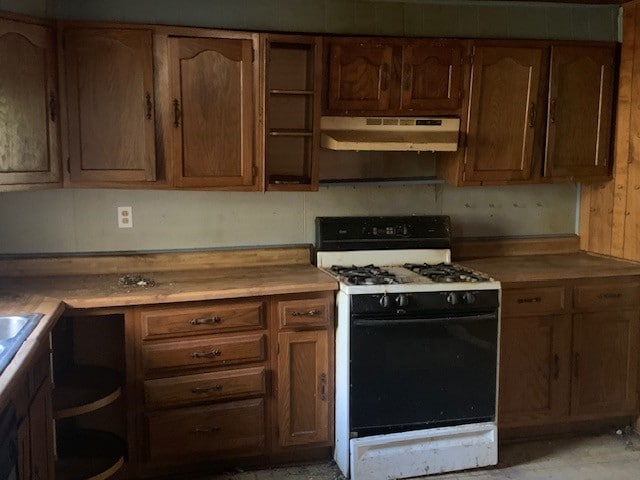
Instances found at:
x=392 y=260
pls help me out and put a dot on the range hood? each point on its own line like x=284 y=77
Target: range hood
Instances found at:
x=422 y=134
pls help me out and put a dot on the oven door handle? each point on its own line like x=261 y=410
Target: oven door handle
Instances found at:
x=424 y=320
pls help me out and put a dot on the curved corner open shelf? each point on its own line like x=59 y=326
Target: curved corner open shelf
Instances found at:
x=84 y=389
x=88 y=454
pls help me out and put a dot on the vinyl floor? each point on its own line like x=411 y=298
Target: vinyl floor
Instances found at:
x=608 y=456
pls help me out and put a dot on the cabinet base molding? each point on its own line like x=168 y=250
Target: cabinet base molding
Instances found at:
x=516 y=434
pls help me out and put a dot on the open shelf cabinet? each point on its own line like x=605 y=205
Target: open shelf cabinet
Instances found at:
x=292 y=111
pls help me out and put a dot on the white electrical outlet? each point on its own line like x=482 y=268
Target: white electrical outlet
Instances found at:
x=125 y=217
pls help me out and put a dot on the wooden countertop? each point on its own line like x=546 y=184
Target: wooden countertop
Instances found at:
x=531 y=268
x=106 y=290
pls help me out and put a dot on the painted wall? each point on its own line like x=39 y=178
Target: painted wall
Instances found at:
x=85 y=220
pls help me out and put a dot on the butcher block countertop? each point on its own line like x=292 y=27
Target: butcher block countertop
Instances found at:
x=532 y=268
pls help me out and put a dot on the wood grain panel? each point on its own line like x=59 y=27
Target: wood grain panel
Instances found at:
x=306 y=312
x=303 y=387
x=502 y=115
x=605 y=370
x=204 y=387
x=211 y=80
x=534 y=369
x=29 y=145
x=110 y=96
x=206 y=431
x=533 y=301
x=201 y=319
x=208 y=352
x=604 y=297
x=580 y=110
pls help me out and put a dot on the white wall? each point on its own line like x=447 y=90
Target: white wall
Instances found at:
x=76 y=220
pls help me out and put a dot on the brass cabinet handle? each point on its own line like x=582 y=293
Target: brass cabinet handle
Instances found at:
x=206 y=430
x=408 y=70
x=556 y=366
x=609 y=295
x=176 y=113
x=213 y=388
x=384 y=81
x=53 y=107
x=205 y=321
x=532 y=115
x=552 y=111
x=149 y=106
x=530 y=300
x=309 y=313
x=213 y=353
x=323 y=386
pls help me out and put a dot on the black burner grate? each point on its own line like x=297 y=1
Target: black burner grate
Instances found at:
x=365 y=275
x=446 y=273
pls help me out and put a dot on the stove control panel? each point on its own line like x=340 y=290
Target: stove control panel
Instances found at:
x=398 y=300
x=461 y=298
x=425 y=302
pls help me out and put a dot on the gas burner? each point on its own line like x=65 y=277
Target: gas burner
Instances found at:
x=365 y=275
x=446 y=273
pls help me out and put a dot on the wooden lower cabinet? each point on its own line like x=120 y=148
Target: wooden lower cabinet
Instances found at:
x=578 y=362
x=229 y=381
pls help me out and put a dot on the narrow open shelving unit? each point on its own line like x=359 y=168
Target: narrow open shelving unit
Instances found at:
x=292 y=106
x=87 y=397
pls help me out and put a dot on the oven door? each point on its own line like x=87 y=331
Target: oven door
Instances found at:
x=421 y=371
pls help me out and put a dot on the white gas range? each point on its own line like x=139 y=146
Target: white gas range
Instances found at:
x=416 y=349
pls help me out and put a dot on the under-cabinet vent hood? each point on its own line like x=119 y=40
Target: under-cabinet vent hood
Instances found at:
x=424 y=134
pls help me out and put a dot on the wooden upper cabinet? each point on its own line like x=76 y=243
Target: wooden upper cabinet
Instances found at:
x=503 y=120
x=394 y=77
x=110 y=101
x=211 y=81
x=431 y=76
x=29 y=146
x=359 y=76
x=580 y=111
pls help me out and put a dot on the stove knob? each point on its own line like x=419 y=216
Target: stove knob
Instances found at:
x=402 y=300
x=469 y=297
x=453 y=298
x=385 y=301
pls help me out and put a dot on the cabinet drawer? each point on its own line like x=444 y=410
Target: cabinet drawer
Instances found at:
x=603 y=296
x=305 y=312
x=212 y=351
x=202 y=319
x=192 y=389
x=207 y=430
x=533 y=301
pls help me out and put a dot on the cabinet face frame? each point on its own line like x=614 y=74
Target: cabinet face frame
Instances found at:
x=40 y=37
x=134 y=41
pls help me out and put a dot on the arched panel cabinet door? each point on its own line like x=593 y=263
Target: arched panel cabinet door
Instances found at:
x=29 y=145
x=580 y=111
x=212 y=101
x=110 y=102
x=504 y=131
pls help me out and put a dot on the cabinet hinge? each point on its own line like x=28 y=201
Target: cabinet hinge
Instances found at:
x=253 y=55
x=69 y=164
x=254 y=171
x=278 y=348
x=470 y=59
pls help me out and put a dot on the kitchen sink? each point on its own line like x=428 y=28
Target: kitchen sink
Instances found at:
x=14 y=329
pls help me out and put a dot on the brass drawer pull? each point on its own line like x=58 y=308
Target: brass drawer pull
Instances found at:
x=310 y=313
x=205 y=321
x=609 y=295
x=530 y=300
x=201 y=430
x=323 y=386
x=214 y=388
x=213 y=353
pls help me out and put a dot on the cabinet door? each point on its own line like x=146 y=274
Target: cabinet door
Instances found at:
x=431 y=76
x=534 y=369
x=580 y=111
x=109 y=78
x=29 y=147
x=24 y=451
x=502 y=127
x=211 y=80
x=360 y=76
x=41 y=434
x=605 y=363
x=303 y=387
